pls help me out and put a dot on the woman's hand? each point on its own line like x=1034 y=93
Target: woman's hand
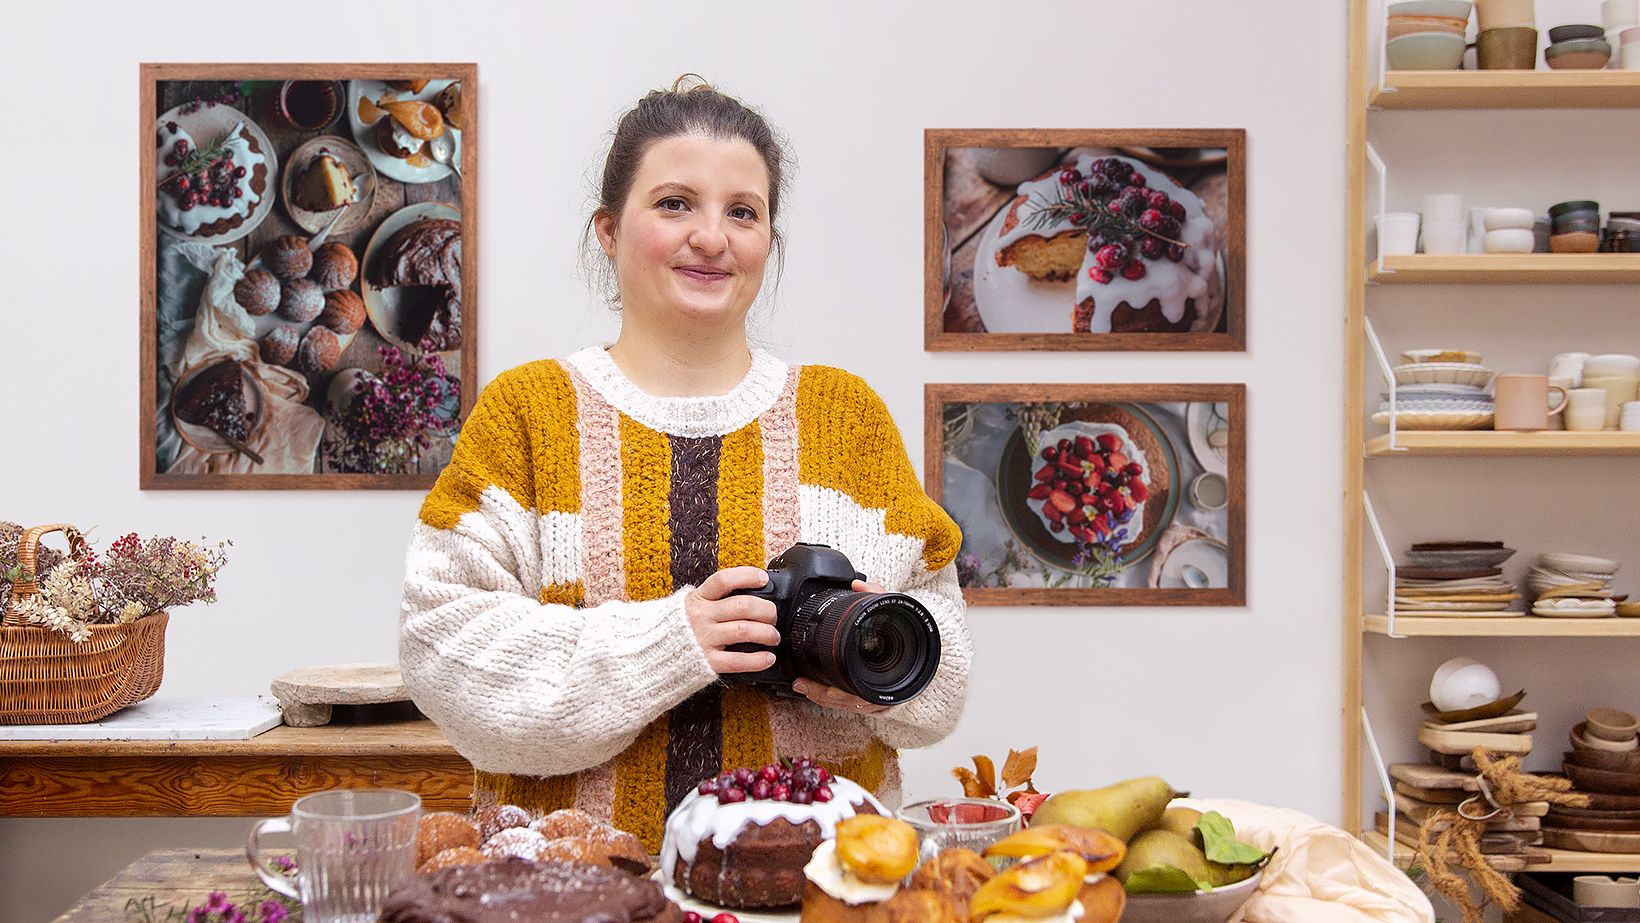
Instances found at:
x=719 y=620
x=831 y=697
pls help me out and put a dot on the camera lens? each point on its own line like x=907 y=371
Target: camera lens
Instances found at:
x=881 y=647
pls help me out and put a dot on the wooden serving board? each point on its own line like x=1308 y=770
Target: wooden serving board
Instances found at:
x=1407 y=835
x=1459 y=743
x=1512 y=723
x=1422 y=813
x=306 y=695
x=1424 y=775
x=1591 y=841
x=1450 y=797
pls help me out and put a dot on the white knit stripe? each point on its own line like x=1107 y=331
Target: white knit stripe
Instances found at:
x=831 y=517
x=777 y=428
x=603 y=569
x=560 y=548
x=693 y=417
x=508 y=532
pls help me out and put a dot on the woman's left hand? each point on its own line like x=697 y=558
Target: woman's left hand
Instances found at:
x=832 y=697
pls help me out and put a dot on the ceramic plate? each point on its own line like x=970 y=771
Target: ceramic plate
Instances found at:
x=1443 y=373
x=383 y=303
x=1437 y=420
x=1502 y=706
x=357 y=165
x=708 y=911
x=205 y=125
x=1208 y=555
x=394 y=167
x=1477 y=557
x=1579 y=562
x=1201 y=420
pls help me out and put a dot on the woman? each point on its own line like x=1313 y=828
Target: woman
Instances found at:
x=568 y=613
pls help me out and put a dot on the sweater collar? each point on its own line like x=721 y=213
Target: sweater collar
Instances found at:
x=690 y=417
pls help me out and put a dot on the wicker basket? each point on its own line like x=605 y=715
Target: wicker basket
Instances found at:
x=47 y=679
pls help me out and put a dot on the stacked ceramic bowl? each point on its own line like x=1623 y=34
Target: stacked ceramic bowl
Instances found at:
x=1440 y=389
x=1572 y=586
x=1426 y=35
x=1577 y=47
x=1508 y=230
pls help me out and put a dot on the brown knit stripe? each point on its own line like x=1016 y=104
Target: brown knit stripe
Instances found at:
x=748 y=737
x=603 y=572
x=540 y=794
x=646 y=473
x=563 y=594
x=740 y=499
x=781 y=508
x=595 y=790
x=640 y=777
x=694 y=745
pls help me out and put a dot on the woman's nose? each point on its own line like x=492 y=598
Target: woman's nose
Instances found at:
x=709 y=238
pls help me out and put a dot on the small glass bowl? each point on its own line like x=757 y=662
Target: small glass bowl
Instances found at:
x=967 y=823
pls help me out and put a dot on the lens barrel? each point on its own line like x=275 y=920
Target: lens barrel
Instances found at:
x=881 y=647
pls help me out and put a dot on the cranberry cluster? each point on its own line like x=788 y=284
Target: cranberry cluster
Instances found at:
x=1089 y=487
x=690 y=916
x=213 y=182
x=1148 y=220
x=799 y=781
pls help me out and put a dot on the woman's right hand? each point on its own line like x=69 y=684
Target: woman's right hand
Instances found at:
x=720 y=620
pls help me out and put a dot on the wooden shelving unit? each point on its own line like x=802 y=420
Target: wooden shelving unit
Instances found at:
x=1560 y=860
x=1507 y=269
x=1543 y=89
x=1523 y=626
x=1489 y=442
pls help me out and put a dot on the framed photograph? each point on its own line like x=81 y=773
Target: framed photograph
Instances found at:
x=1100 y=495
x=308 y=273
x=1085 y=239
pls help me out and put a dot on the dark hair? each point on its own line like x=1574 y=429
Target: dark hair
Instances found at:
x=686 y=109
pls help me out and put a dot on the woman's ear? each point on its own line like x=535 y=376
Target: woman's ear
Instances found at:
x=604 y=226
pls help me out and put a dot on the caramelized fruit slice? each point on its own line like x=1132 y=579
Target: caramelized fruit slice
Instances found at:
x=1103 y=901
x=369 y=112
x=1099 y=849
x=877 y=848
x=1038 y=887
x=418 y=118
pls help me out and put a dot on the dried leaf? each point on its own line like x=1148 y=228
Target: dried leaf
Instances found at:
x=971 y=786
x=1018 y=768
x=987 y=771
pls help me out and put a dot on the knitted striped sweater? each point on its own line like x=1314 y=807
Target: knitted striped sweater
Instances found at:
x=543 y=625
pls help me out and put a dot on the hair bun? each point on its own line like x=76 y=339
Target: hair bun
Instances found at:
x=683 y=84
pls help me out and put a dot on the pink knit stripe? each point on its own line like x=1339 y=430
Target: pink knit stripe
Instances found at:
x=595 y=790
x=801 y=728
x=781 y=508
x=603 y=565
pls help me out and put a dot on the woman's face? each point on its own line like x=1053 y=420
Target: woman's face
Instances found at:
x=694 y=234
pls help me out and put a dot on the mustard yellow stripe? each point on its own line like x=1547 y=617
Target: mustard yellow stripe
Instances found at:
x=540 y=794
x=740 y=498
x=563 y=594
x=551 y=396
x=868 y=769
x=646 y=480
x=748 y=739
x=640 y=786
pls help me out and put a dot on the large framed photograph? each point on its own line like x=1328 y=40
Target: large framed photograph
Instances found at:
x=1114 y=495
x=1085 y=239
x=308 y=273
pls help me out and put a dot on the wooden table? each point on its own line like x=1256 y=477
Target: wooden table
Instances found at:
x=171 y=879
x=259 y=777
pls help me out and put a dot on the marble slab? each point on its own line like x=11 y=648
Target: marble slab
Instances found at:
x=165 y=719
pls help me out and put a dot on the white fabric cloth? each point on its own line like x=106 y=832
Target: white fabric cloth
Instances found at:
x=1319 y=874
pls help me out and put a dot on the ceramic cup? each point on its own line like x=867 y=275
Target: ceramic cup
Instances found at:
x=1604 y=891
x=1508 y=240
x=1631 y=57
x=1585 y=410
x=1210 y=491
x=1397 y=233
x=1507 y=48
x=1477 y=229
x=1504 y=14
x=1443 y=208
x=1619 y=390
x=1568 y=365
x=1564 y=384
x=1443 y=237
x=352 y=847
x=1629 y=421
x=1523 y=402
x=1619 y=14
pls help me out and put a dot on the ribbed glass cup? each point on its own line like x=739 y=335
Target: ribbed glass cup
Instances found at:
x=353 y=846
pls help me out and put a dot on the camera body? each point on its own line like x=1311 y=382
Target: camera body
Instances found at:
x=881 y=647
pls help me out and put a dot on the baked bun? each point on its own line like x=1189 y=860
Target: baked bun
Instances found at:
x=515 y=841
x=278 y=347
x=566 y=822
x=334 y=266
x=257 y=292
x=344 y=312
x=288 y=257
x=923 y=907
x=441 y=830
x=456 y=855
x=318 y=352
x=301 y=301
x=494 y=818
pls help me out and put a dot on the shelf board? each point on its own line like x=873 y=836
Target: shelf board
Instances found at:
x=1506 y=268
x=1492 y=442
x=1561 y=860
x=1523 y=626
x=1544 y=89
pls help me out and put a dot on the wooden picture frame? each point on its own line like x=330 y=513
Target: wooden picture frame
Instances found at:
x=268 y=107
x=978 y=174
x=976 y=446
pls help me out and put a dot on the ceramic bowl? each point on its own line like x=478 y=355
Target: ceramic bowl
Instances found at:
x=1582 y=563
x=1601 y=780
x=1412 y=356
x=1398 y=26
x=1424 y=51
x=1601 y=759
x=1611 y=724
x=1443 y=373
x=1213 y=906
x=1578 y=54
x=1447 y=9
x=1460 y=557
x=1582 y=740
x=1576 y=31
x=1498 y=219
x=1575 y=205
x=1574 y=242
x=1508 y=240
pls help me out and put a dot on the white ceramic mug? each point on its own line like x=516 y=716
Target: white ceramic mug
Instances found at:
x=1585 y=410
x=1210 y=490
x=1630 y=420
x=1398 y=233
x=1522 y=402
x=1619 y=14
x=1631 y=57
x=1443 y=208
x=1443 y=237
x=1568 y=365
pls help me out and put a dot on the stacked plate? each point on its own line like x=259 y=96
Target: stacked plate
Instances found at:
x=1573 y=586
x=1440 y=394
x=1461 y=578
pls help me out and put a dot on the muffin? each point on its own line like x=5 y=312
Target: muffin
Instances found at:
x=449 y=103
x=394 y=141
x=442 y=830
x=302 y=300
x=344 y=312
x=566 y=822
x=278 y=347
x=494 y=818
x=288 y=257
x=515 y=841
x=456 y=855
x=318 y=352
x=334 y=266
x=257 y=292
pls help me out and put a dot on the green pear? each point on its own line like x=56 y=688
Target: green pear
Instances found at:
x=1221 y=875
x=1162 y=848
x=1182 y=821
x=1122 y=810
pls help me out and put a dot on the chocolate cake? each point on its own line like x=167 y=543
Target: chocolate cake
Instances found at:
x=215 y=399
x=425 y=254
x=518 y=889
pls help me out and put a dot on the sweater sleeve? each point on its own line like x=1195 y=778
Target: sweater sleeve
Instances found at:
x=520 y=686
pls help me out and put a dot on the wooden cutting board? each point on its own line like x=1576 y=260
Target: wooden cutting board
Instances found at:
x=1424 y=813
x=1515 y=722
x=306 y=695
x=1450 y=797
x=1459 y=743
x=1407 y=835
x=1591 y=841
x=1423 y=775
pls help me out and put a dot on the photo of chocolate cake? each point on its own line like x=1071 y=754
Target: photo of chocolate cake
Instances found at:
x=425 y=254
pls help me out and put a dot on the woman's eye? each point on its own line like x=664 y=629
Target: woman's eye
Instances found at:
x=672 y=204
x=741 y=211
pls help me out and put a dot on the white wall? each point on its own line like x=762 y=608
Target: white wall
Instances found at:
x=1236 y=702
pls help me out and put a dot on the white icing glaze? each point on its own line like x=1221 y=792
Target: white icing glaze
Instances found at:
x=190 y=221
x=1170 y=283
x=829 y=875
x=700 y=816
x=1092 y=430
x=403 y=138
